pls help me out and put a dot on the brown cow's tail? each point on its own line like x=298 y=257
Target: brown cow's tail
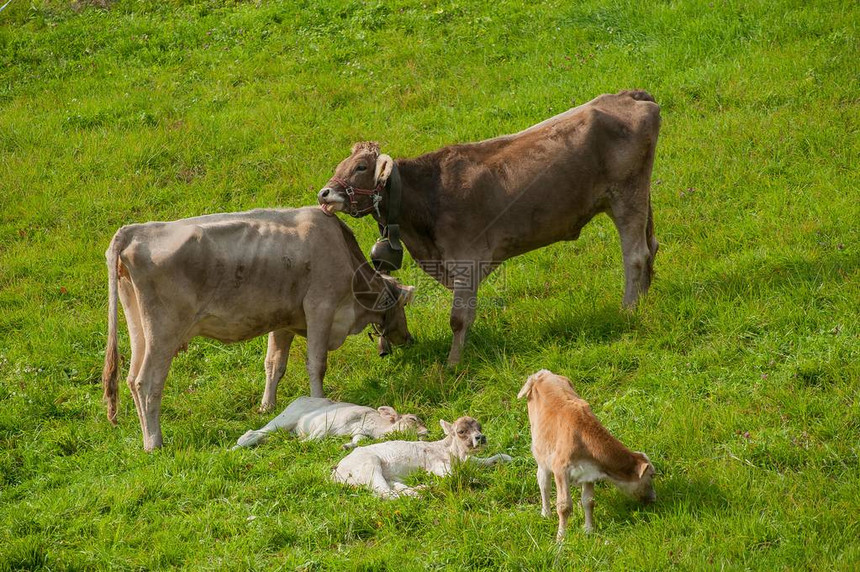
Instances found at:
x=111 y=369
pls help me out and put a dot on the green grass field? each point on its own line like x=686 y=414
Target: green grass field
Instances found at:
x=738 y=375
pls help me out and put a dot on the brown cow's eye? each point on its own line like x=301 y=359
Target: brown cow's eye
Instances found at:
x=361 y=168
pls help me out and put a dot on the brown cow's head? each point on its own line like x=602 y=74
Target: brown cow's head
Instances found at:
x=358 y=182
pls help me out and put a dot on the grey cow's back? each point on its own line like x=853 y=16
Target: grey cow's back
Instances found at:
x=239 y=275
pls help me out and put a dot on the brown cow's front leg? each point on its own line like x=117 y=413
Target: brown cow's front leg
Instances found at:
x=462 y=317
x=276 y=365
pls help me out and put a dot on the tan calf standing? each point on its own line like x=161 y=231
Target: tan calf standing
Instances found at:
x=569 y=442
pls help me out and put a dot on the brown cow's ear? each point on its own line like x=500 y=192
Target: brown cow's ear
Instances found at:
x=388 y=413
x=447 y=428
x=384 y=165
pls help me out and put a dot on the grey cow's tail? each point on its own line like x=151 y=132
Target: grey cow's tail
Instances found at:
x=110 y=374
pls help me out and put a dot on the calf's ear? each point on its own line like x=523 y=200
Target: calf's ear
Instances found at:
x=388 y=413
x=527 y=388
x=644 y=465
x=447 y=428
x=384 y=164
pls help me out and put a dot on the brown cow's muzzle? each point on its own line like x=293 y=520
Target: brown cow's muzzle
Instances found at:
x=329 y=201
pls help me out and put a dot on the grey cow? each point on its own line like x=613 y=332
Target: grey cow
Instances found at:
x=233 y=277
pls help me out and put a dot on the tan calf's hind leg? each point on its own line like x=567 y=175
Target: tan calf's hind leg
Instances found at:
x=563 y=502
x=276 y=365
x=544 y=478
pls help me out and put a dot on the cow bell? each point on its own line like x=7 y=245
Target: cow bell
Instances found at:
x=385 y=257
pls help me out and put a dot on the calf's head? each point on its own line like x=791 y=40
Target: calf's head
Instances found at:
x=465 y=434
x=399 y=422
x=358 y=181
x=640 y=487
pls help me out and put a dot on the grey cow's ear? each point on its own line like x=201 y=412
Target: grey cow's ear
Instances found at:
x=447 y=428
x=388 y=413
x=384 y=165
x=407 y=293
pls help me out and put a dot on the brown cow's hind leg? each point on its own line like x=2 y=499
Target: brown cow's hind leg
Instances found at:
x=631 y=220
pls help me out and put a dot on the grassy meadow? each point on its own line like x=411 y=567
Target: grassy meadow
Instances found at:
x=739 y=374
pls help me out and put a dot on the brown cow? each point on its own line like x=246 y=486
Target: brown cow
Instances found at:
x=234 y=277
x=467 y=208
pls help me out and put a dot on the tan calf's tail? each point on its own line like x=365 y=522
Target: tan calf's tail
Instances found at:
x=111 y=369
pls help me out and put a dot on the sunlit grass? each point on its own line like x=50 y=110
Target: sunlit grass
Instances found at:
x=738 y=375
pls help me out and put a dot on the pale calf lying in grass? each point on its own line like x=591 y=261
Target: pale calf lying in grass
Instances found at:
x=570 y=443
x=317 y=417
x=383 y=466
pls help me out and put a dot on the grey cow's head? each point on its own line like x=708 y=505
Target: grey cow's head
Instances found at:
x=465 y=434
x=391 y=303
x=358 y=182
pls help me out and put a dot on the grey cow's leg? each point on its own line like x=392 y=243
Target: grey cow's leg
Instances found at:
x=150 y=386
x=276 y=364
x=319 y=330
x=136 y=338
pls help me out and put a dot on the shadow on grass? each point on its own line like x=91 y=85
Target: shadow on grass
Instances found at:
x=487 y=340
x=764 y=278
x=695 y=497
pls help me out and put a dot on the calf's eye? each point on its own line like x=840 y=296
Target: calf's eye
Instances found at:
x=361 y=168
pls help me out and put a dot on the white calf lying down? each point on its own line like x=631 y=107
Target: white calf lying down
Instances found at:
x=383 y=466
x=569 y=442
x=317 y=417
